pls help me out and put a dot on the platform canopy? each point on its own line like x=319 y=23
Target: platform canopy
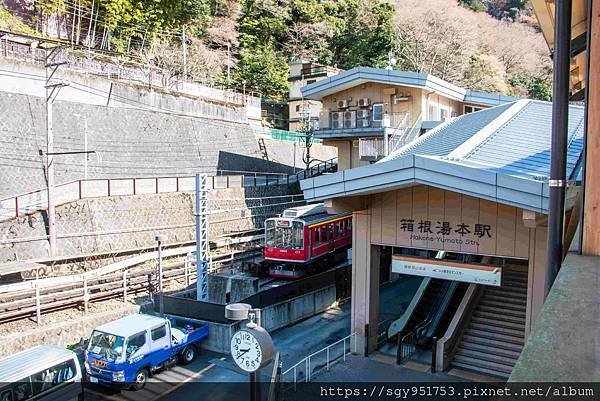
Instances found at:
x=500 y=154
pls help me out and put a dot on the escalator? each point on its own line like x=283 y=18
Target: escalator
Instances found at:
x=431 y=317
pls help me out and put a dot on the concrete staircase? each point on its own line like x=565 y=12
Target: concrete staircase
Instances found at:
x=495 y=335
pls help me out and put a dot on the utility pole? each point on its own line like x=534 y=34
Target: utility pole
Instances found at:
x=202 y=245
x=184 y=45
x=52 y=88
x=307 y=130
x=161 y=303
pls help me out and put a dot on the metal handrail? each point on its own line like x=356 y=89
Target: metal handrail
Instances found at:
x=33 y=201
x=306 y=362
x=133 y=70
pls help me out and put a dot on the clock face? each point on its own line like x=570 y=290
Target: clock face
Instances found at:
x=246 y=351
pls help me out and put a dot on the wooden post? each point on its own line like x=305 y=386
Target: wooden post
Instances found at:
x=124 y=285
x=186 y=267
x=38 y=312
x=591 y=209
x=86 y=296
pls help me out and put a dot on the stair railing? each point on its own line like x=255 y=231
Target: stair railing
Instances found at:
x=447 y=345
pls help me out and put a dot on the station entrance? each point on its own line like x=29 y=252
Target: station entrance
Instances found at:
x=468 y=308
x=480 y=273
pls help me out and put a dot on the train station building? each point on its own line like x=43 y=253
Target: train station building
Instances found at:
x=464 y=207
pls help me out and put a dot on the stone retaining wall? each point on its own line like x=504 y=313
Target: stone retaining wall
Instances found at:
x=127 y=222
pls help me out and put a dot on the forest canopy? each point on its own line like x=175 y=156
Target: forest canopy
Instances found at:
x=490 y=45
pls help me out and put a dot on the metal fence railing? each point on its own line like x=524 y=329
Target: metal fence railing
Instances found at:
x=317 y=361
x=30 y=202
x=111 y=65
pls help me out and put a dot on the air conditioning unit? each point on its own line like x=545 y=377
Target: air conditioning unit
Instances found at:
x=364 y=102
x=342 y=104
x=362 y=114
x=337 y=120
x=364 y=123
x=349 y=119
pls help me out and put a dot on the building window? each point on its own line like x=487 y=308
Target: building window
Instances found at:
x=297 y=108
x=311 y=81
x=378 y=112
x=443 y=114
x=433 y=112
x=472 y=109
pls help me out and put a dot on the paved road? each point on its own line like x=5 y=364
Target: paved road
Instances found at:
x=213 y=376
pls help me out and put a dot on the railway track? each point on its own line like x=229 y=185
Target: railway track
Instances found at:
x=133 y=282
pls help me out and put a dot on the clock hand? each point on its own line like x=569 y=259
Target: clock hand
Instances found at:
x=242 y=352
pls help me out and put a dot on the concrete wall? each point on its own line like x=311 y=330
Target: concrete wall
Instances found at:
x=25 y=77
x=126 y=222
x=273 y=317
x=128 y=142
x=285 y=313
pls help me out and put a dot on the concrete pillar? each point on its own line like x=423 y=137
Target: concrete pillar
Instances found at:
x=536 y=277
x=365 y=284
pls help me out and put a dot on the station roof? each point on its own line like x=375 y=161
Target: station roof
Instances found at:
x=361 y=75
x=500 y=154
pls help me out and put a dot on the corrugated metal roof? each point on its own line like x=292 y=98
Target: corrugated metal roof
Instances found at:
x=446 y=137
x=501 y=154
x=512 y=139
x=30 y=361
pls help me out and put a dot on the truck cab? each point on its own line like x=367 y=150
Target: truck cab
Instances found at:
x=125 y=352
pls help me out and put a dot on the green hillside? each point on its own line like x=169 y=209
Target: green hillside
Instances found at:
x=490 y=45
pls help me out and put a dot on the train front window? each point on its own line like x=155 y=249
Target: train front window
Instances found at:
x=278 y=235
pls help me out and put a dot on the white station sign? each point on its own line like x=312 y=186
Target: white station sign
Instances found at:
x=485 y=275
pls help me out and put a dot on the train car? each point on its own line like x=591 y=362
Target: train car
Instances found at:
x=304 y=239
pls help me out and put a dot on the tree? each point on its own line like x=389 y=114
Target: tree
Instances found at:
x=263 y=69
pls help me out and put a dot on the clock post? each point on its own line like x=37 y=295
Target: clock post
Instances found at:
x=251 y=347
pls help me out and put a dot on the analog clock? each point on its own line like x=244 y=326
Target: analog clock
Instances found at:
x=251 y=349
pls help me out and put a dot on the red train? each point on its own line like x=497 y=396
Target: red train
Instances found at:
x=305 y=239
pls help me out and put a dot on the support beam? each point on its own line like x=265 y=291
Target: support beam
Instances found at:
x=365 y=285
x=560 y=114
x=578 y=44
x=591 y=209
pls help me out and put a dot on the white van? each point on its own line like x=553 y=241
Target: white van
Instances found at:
x=41 y=373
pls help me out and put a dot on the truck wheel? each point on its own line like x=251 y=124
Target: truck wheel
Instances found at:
x=140 y=379
x=187 y=355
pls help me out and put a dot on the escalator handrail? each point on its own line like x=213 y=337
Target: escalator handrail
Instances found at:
x=438 y=308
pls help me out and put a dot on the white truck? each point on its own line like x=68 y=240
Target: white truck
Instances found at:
x=125 y=352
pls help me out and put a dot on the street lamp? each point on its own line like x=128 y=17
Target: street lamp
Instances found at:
x=161 y=307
